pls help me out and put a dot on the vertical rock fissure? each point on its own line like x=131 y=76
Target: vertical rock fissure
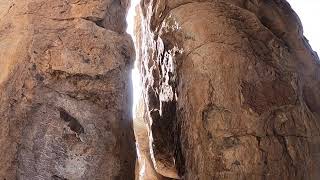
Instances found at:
x=161 y=148
x=230 y=91
x=238 y=81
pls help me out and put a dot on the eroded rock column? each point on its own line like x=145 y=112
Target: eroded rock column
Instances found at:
x=231 y=90
x=65 y=101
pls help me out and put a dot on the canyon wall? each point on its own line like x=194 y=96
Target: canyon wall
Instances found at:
x=231 y=90
x=65 y=102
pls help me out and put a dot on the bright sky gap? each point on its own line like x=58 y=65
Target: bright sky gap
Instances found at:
x=135 y=72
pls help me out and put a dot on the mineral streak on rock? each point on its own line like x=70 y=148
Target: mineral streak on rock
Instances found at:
x=65 y=101
x=231 y=90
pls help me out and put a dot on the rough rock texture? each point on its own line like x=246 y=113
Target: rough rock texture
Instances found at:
x=231 y=89
x=65 y=102
x=145 y=169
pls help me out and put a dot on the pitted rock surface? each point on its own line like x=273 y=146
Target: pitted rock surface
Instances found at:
x=230 y=90
x=65 y=90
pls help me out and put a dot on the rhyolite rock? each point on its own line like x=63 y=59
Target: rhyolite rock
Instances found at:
x=65 y=103
x=231 y=90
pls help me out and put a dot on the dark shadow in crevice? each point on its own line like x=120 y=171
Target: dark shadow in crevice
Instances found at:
x=73 y=123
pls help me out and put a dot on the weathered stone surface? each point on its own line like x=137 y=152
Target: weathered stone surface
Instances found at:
x=231 y=90
x=64 y=90
x=145 y=168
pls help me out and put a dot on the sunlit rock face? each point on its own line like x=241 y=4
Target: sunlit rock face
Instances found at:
x=65 y=102
x=231 y=90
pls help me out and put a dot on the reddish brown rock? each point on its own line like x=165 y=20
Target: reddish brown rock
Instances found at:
x=65 y=101
x=231 y=90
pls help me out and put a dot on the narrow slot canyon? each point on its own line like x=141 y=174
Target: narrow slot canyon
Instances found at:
x=158 y=90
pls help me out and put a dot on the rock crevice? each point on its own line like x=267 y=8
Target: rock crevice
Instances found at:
x=237 y=72
x=230 y=91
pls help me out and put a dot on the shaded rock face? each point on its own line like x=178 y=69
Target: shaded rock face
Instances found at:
x=144 y=169
x=65 y=90
x=230 y=90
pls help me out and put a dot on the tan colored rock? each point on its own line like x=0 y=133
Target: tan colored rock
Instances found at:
x=231 y=90
x=145 y=168
x=64 y=90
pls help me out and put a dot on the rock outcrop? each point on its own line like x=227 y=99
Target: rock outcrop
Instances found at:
x=65 y=102
x=145 y=169
x=231 y=90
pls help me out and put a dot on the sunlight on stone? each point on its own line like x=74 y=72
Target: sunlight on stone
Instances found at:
x=135 y=72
